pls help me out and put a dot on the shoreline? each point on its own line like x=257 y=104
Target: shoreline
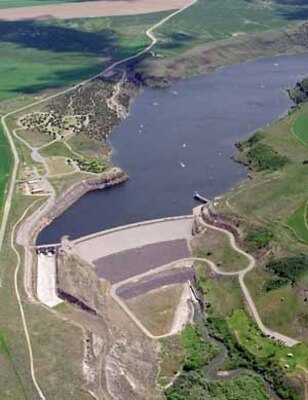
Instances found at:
x=74 y=193
x=237 y=152
x=141 y=85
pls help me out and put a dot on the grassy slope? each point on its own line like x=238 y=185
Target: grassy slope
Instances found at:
x=222 y=293
x=57 y=149
x=300 y=128
x=5 y=166
x=297 y=222
x=212 y=20
x=250 y=337
x=216 y=33
x=215 y=246
x=279 y=199
x=57 y=345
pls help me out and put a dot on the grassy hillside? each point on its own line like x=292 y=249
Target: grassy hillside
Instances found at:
x=213 y=20
x=5 y=167
x=271 y=210
x=275 y=201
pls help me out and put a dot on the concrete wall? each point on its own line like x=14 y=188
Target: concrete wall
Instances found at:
x=46 y=280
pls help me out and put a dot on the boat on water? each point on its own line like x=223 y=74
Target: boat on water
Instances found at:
x=198 y=197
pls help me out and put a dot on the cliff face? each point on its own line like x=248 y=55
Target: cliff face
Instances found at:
x=78 y=190
x=299 y=94
x=74 y=193
x=210 y=56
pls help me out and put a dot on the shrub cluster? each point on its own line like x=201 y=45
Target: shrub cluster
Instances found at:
x=198 y=351
x=289 y=268
x=258 y=238
x=263 y=158
x=299 y=93
x=275 y=283
x=194 y=384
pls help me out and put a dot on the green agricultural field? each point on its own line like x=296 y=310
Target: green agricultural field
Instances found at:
x=37 y=55
x=36 y=73
x=6 y=162
x=29 y=3
x=300 y=128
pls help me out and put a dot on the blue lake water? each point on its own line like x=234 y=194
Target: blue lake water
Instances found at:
x=181 y=139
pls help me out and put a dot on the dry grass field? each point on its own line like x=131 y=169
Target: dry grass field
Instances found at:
x=156 y=309
x=90 y=9
x=58 y=166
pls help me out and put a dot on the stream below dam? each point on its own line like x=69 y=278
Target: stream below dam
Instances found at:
x=180 y=140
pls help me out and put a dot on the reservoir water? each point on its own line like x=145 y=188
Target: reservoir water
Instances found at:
x=181 y=139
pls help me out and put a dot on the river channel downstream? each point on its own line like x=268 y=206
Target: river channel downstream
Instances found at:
x=180 y=140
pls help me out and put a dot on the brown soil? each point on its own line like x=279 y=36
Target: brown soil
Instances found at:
x=90 y=9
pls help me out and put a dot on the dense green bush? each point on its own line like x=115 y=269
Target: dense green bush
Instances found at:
x=275 y=283
x=195 y=386
x=291 y=268
x=242 y=358
x=299 y=93
x=263 y=158
x=93 y=166
x=255 y=138
x=198 y=351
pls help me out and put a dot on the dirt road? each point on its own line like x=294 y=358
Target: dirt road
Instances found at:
x=241 y=276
